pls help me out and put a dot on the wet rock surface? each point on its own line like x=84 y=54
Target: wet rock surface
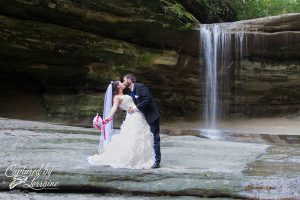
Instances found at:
x=21 y=196
x=191 y=166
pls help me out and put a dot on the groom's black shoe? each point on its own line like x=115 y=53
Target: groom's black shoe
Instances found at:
x=155 y=165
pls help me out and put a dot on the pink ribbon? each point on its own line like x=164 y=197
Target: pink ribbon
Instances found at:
x=103 y=127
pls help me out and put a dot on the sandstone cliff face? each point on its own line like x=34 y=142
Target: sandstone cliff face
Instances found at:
x=57 y=57
x=260 y=75
x=268 y=75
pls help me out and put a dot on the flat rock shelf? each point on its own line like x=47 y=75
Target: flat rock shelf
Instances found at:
x=191 y=167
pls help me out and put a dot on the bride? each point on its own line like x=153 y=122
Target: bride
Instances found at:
x=133 y=146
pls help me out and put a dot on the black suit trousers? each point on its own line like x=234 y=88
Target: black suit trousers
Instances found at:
x=155 y=130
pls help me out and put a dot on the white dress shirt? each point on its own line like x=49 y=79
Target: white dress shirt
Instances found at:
x=135 y=109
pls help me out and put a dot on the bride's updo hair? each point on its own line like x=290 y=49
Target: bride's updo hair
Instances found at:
x=115 y=89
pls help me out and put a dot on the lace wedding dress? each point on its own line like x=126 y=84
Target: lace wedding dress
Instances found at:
x=132 y=147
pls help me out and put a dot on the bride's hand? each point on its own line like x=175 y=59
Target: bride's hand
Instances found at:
x=106 y=120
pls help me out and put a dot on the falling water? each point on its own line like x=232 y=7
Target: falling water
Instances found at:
x=216 y=50
x=209 y=42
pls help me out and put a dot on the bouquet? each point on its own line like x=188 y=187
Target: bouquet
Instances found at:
x=99 y=124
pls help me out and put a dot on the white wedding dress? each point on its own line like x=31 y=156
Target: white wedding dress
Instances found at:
x=132 y=147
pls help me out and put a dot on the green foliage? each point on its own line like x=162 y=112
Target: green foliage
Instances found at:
x=213 y=6
x=177 y=10
x=249 y=9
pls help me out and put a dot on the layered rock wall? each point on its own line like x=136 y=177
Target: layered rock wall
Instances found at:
x=57 y=57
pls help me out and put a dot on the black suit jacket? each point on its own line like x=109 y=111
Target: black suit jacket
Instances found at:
x=145 y=102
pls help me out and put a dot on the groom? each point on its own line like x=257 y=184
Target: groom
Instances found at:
x=145 y=103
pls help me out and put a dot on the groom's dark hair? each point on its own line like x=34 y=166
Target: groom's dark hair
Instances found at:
x=131 y=77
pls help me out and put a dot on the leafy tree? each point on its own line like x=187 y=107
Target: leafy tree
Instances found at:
x=249 y=9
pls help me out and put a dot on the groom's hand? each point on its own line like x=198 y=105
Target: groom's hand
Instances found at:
x=130 y=110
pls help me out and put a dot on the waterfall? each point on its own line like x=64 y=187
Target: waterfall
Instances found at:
x=216 y=48
x=209 y=43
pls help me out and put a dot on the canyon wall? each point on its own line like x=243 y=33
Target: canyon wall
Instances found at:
x=57 y=58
